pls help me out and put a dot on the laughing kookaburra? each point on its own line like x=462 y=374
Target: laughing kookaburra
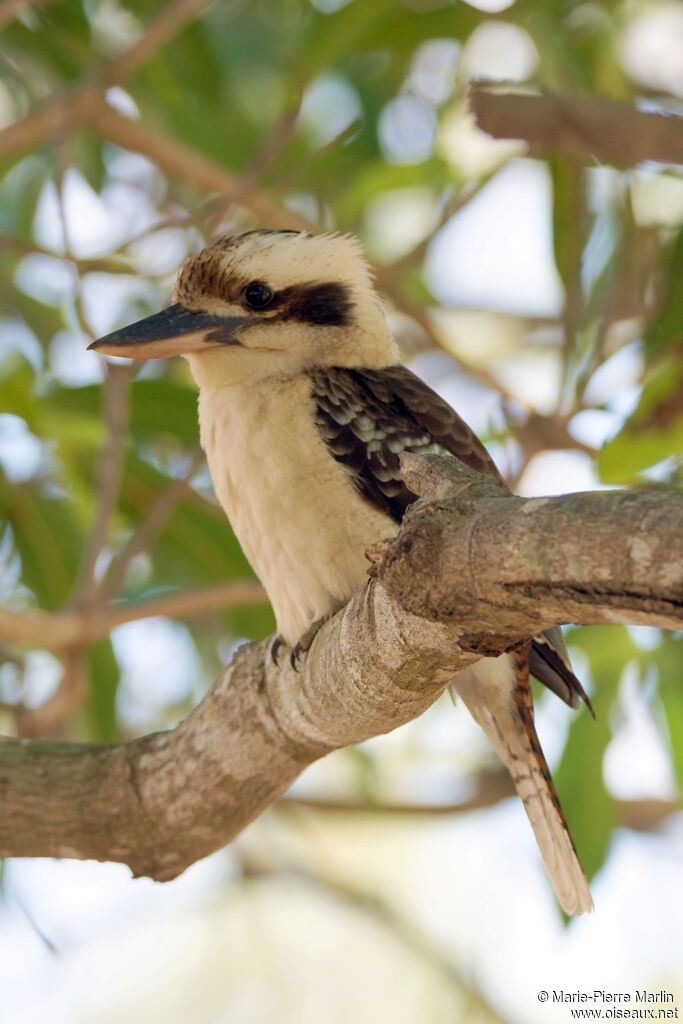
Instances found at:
x=303 y=411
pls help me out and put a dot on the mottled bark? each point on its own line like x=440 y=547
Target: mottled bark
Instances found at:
x=474 y=570
x=522 y=565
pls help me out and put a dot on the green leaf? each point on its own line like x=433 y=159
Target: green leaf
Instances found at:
x=100 y=706
x=57 y=39
x=591 y=809
x=669 y=661
x=652 y=433
x=20 y=189
x=40 y=318
x=196 y=547
x=252 y=623
x=17 y=394
x=197 y=544
x=348 y=29
x=667 y=327
x=89 y=158
x=377 y=177
x=47 y=537
x=384 y=27
x=569 y=221
x=158 y=407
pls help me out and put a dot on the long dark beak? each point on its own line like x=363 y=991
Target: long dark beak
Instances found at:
x=173 y=332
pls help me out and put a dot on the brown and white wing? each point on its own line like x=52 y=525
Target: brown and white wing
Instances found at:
x=404 y=391
x=368 y=417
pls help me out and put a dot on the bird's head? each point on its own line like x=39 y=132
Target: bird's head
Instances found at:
x=266 y=302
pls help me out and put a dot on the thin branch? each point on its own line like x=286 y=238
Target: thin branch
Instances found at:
x=181 y=161
x=275 y=143
x=70 y=694
x=113 y=264
x=149 y=528
x=588 y=128
x=57 y=631
x=8 y=656
x=165 y=27
x=11 y=9
x=572 y=274
x=61 y=113
x=54 y=116
x=422 y=317
x=398 y=926
x=645 y=815
x=491 y=788
x=545 y=433
x=453 y=204
x=116 y=407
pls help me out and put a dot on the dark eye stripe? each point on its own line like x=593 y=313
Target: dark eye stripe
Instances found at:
x=328 y=303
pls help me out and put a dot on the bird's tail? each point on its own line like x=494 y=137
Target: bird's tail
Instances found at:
x=496 y=692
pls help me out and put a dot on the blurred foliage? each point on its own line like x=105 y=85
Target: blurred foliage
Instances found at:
x=332 y=110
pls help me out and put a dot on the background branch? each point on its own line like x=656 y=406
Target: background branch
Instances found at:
x=116 y=411
x=646 y=815
x=169 y=23
x=11 y=9
x=63 y=112
x=585 y=127
x=151 y=525
x=397 y=925
x=180 y=161
x=58 y=630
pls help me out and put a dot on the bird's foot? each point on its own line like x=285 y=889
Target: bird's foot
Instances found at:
x=302 y=646
x=275 y=648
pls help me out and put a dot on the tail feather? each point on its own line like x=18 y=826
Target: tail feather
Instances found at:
x=496 y=692
x=549 y=663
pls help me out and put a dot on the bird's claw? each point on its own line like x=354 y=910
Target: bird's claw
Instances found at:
x=302 y=647
x=295 y=655
x=277 y=644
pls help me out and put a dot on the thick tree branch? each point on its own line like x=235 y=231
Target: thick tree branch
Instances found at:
x=473 y=571
x=585 y=127
x=161 y=802
x=523 y=565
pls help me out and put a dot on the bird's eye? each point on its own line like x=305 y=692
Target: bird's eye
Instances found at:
x=258 y=295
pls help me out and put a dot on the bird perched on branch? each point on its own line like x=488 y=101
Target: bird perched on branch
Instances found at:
x=303 y=411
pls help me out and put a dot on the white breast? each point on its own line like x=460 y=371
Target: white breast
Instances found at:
x=298 y=517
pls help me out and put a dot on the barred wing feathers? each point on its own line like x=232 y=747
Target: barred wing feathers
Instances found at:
x=367 y=418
